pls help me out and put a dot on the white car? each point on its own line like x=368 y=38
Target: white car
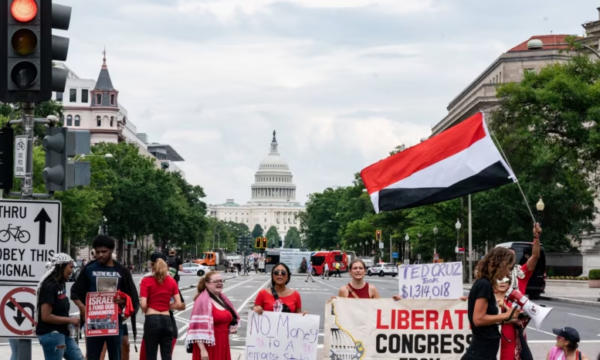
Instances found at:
x=193 y=269
x=383 y=269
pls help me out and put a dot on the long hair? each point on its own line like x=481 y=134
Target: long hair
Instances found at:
x=202 y=283
x=289 y=274
x=495 y=261
x=160 y=270
x=357 y=261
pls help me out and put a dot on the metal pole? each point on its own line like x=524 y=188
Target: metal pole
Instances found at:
x=391 y=249
x=27 y=194
x=470 y=244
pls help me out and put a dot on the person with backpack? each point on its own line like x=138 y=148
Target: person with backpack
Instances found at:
x=175 y=264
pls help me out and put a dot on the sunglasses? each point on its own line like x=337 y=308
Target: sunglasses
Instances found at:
x=505 y=280
x=280 y=272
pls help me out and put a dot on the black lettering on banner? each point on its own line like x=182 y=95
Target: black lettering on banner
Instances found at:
x=458 y=341
x=432 y=344
x=446 y=347
x=394 y=343
x=378 y=345
x=420 y=346
x=407 y=343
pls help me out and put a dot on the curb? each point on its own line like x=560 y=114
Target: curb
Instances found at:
x=570 y=301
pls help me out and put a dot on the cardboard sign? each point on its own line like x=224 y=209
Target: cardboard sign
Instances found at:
x=276 y=335
x=385 y=329
x=431 y=281
x=102 y=314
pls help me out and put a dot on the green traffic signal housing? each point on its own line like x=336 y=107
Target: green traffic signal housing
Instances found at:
x=60 y=144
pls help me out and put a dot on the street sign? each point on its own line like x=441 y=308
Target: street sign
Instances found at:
x=20 y=156
x=395 y=255
x=381 y=245
x=29 y=237
x=17 y=309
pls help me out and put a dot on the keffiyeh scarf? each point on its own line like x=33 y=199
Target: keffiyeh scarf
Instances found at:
x=58 y=259
x=201 y=327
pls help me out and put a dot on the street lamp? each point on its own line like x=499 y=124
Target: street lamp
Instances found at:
x=435 y=231
x=540 y=208
x=457 y=225
x=406 y=247
x=419 y=248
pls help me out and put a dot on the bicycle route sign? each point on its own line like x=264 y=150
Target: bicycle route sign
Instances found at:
x=29 y=237
x=20 y=156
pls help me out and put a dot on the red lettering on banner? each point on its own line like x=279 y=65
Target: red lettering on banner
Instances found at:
x=447 y=321
x=461 y=315
x=432 y=317
x=379 y=326
x=403 y=323
x=417 y=320
x=393 y=319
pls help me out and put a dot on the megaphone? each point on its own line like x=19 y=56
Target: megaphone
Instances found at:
x=536 y=312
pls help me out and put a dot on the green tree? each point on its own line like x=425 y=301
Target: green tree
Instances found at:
x=257 y=231
x=292 y=238
x=273 y=237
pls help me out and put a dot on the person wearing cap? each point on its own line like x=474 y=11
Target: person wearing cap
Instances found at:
x=175 y=264
x=567 y=342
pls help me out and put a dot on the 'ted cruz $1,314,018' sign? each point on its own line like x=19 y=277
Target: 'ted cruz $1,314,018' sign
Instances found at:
x=406 y=330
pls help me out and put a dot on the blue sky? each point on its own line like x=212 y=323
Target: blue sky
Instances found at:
x=342 y=81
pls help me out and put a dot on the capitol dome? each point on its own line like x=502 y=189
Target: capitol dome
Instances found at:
x=273 y=182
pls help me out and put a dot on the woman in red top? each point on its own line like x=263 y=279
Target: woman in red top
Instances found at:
x=279 y=298
x=510 y=345
x=358 y=288
x=156 y=292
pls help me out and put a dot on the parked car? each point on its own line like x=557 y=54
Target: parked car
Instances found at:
x=383 y=269
x=193 y=269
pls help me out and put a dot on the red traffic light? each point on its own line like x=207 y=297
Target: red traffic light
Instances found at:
x=264 y=243
x=24 y=10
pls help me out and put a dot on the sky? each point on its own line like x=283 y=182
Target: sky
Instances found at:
x=342 y=81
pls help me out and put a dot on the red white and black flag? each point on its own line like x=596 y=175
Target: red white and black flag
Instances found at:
x=460 y=161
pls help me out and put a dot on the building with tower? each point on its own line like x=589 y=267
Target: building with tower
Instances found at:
x=273 y=197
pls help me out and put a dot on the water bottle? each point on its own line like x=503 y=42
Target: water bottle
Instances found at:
x=74 y=329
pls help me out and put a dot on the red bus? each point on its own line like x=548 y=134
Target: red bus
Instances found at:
x=319 y=258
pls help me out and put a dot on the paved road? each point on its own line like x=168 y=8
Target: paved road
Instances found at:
x=243 y=289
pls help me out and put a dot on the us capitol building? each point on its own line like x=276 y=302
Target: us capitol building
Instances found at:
x=273 y=200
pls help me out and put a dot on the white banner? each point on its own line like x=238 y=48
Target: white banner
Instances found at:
x=431 y=281
x=390 y=330
x=275 y=335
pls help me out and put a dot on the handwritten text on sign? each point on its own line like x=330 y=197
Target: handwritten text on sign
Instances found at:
x=282 y=336
x=431 y=281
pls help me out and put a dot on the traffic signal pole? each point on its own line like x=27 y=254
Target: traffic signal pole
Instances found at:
x=28 y=123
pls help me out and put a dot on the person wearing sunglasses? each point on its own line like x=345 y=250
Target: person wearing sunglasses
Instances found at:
x=279 y=298
x=213 y=319
x=567 y=342
x=513 y=345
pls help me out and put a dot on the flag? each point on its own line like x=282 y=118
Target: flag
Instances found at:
x=460 y=161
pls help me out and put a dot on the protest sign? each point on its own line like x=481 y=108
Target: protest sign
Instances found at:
x=385 y=329
x=431 y=281
x=102 y=315
x=276 y=335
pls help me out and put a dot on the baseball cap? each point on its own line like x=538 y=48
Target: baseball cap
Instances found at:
x=157 y=255
x=568 y=333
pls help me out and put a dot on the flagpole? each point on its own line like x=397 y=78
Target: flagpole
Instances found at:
x=470 y=244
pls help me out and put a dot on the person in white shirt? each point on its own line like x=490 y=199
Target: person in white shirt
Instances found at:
x=325 y=271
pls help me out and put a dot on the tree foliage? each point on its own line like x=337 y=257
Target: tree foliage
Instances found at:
x=292 y=238
x=273 y=237
x=257 y=231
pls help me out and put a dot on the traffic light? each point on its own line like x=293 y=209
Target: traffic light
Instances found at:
x=7 y=138
x=259 y=243
x=27 y=55
x=264 y=243
x=59 y=173
x=378 y=235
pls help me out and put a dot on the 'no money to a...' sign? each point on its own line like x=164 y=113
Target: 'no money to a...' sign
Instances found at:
x=29 y=237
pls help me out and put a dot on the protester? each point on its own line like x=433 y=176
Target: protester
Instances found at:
x=279 y=298
x=567 y=342
x=309 y=270
x=325 y=271
x=156 y=292
x=337 y=270
x=358 y=288
x=522 y=272
x=483 y=313
x=53 y=306
x=175 y=264
x=213 y=319
x=513 y=345
x=106 y=267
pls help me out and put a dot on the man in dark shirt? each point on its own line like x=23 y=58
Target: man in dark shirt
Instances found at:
x=100 y=271
x=175 y=263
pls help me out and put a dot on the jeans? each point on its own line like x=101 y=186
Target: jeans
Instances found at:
x=57 y=346
x=14 y=349
x=113 y=345
x=158 y=330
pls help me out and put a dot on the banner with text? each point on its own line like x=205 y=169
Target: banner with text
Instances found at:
x=275 y=335
x=431 y=281
x=390 y=330
x=102 y=316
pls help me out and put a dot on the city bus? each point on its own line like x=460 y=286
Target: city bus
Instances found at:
x=319 y=258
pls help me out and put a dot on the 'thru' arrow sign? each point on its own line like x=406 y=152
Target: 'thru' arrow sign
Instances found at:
x=42 y=218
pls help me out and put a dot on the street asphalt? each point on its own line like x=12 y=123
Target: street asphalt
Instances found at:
x=242 y=291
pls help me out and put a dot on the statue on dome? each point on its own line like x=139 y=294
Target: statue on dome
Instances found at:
x=274 y=132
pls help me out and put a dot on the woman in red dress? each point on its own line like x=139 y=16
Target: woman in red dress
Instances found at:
x=358 y=288
x=213 y=319
x=279 y=298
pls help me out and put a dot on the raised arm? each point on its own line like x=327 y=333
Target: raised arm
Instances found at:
x=535 y=251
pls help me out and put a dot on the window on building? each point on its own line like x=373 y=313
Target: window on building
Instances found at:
x=59 y=96
x=77 y=120
x=98 y=99
x=69 y=120
x=98 y=121
x=500 y=76
x=73 y=95
x=112 y=99
x=85 y=96
x=112 y=121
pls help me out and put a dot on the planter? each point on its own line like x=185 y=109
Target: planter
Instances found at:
x=594 y=284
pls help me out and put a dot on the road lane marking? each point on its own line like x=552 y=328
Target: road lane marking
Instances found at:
x=251 y=296
x=544 y=332
x=585 y=317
